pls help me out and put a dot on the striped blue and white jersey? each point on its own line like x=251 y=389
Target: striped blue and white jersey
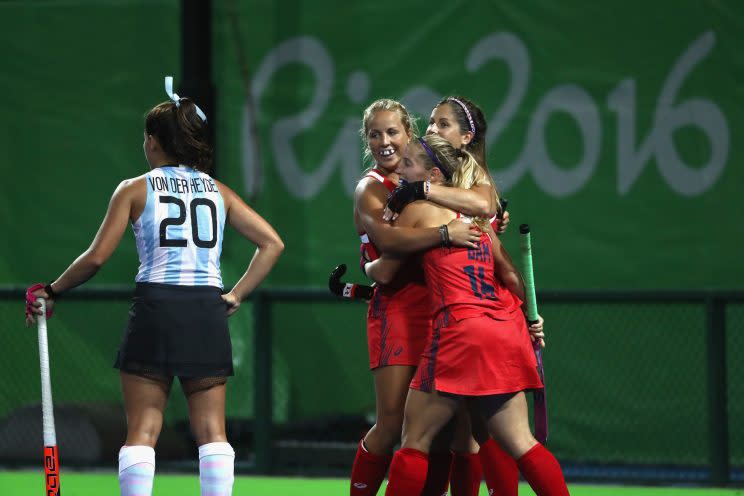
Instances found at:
x=179 y=234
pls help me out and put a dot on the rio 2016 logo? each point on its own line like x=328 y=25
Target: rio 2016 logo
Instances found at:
x=632 y=152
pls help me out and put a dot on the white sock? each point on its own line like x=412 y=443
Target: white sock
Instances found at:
x=136 y=470
x=216 y=469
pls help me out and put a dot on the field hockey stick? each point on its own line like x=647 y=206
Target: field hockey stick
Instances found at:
x=51 y=453
x=347 y=289
x=503 y=202
x=541 y=402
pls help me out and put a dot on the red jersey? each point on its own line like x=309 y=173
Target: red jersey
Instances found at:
x=368 y=249
x=495 y=221
x=479 y=343
x=464 y=285
x=398 y=318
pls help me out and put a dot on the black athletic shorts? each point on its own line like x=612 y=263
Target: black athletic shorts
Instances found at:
x=176 y=331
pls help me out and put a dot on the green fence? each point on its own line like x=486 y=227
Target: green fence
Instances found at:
x=641 y=385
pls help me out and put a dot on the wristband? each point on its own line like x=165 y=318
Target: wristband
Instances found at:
x=444 y=235
x=48 y=290
x=405 y=194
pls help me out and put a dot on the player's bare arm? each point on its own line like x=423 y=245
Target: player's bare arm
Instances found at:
x=254 y=228
x=105 y=242
x=383 y=269
x=504 y=267
x=479 y=201
x=399 y=239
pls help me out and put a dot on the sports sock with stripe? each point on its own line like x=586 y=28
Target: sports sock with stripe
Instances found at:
x=136 y=470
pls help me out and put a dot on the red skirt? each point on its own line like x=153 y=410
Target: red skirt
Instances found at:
x=398 y=328
x=478 y=356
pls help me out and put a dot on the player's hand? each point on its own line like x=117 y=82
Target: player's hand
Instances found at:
x=463 y=235
x=402 y=196
x=33 y=307
x=364 y=259
x=389 y=215
x=502 y=223
x=232 y=302
x=537 y=333
x=348 y=290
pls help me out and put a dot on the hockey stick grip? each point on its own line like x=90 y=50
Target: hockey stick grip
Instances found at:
x=50 y=436
x=503 y=203
x=51 y=452
x=528 y=274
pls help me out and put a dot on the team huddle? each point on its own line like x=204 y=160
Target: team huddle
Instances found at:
x=449 y=346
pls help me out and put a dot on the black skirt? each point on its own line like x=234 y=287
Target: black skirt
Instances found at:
x=176 y=331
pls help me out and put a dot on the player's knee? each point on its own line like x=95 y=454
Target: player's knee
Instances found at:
x=208 y=431
x=390 y=422
x=419 y=440
x=144 y=434
x=386 y=432
x=517 y=444
x=391 y=411
x=381 y=441
x=464 y=443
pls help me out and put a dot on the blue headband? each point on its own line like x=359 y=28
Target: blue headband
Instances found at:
x=177 y=99
x=433 y=156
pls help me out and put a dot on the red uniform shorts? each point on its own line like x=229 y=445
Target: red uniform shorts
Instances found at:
x=478 y=356
x=396 y=332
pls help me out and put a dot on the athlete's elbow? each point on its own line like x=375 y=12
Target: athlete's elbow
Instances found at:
x=274 y=245
x=484 y=208
x=509 y=278
x=96 y=265
x=381 y=278
x=385 y=245
x=94 y=259
x=479 y=208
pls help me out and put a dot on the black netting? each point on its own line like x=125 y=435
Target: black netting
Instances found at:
x=627 y=382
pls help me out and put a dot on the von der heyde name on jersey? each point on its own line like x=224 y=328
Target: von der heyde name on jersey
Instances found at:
x=180 y=185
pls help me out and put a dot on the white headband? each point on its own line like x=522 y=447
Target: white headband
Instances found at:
x=467 y=113
x=177 y=99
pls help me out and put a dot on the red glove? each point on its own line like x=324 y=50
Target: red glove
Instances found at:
x=31 y=299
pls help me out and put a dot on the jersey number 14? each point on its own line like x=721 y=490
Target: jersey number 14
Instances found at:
x=478 y=284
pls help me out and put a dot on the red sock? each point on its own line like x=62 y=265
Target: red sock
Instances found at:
x=368 y=472
x=438 y=474
x=466 y=475
x=407 y=473
x=502 y=474
x=543 y=472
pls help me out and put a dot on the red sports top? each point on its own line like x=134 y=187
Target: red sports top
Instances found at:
x=463 y=283
x=408 y=286
x=368 y=248
x=495 y=221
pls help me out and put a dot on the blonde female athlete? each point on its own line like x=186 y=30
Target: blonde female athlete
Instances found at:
x=480 y=347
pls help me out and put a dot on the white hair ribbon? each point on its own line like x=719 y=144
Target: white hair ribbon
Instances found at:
x=177 y=99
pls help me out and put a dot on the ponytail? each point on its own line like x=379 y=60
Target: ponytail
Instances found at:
x=181 y=133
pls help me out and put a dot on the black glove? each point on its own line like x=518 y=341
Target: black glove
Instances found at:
x=405 y=194
x=346 y=289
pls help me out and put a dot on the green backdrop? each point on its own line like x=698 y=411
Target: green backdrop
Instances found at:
x=612 y=130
